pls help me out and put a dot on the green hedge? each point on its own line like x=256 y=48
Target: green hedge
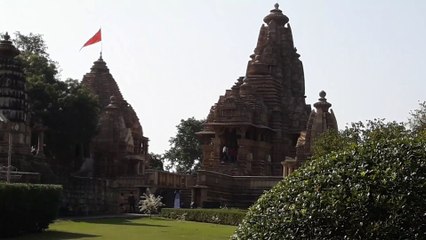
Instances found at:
x=373 y=190
x=219 y=216
x=27 y=208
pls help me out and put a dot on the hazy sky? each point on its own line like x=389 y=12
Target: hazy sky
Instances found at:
x=172 y=59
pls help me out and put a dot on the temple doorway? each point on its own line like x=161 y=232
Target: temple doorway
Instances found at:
x=229 y=148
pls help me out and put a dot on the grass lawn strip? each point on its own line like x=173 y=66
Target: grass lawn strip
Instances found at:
x=136 y=228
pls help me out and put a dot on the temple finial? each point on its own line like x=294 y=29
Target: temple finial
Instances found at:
x=6 y=37
x=276 y=15
x=322 y=94
x=322 y=102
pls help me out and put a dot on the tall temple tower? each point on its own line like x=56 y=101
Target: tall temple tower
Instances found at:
x=256 y=124
x=14 y=116
x=119 y=149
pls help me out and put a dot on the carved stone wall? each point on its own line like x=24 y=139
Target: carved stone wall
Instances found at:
x=215 y=189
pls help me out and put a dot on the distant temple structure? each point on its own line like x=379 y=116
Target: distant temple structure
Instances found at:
x=15 y=130
x=13 y=103
x=118 y=153
x=13 y=97
x=119 y=149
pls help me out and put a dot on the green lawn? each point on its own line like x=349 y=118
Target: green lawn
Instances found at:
x=137 y=228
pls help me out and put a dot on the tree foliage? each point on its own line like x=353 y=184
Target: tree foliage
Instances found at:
x=374 y=189
x=66 y=108
x=31 y=44
x=185 y=152
x=357 y=133
x=156 y=162
x=331 y=141
x=417 y=121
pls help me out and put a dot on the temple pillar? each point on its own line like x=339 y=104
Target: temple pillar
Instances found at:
x=289 y=165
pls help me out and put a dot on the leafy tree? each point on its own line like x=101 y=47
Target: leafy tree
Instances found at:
x=418 y=118
x=150 y=203
x=72 y=119
x=331 y=141
x=31 y=44
x=374 y=189
x=38 y=67
x=156 y=161
x=66 y=108
x=185 y=152
x=357 y=133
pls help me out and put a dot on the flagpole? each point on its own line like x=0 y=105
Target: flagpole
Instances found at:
x=100 y=27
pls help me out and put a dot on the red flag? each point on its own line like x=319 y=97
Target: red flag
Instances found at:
x=96 y=38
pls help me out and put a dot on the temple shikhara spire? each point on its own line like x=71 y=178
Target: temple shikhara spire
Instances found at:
x=119 y=149
x=259 y=120
x=261 y=129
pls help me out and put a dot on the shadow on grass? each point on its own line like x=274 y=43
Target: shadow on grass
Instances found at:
x=52 y=234
x=119 y=221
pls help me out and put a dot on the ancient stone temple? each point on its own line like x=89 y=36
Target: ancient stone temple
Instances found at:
x=119 y=149
x=254 y=128
x=118 y=152
x=15 y=132
x=256 y=124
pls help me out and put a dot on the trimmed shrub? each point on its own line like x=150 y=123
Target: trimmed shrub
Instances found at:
x=373 y=190
x=27 y=208
x=219 y=216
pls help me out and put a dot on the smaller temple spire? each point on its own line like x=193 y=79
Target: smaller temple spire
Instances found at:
x=7 y=50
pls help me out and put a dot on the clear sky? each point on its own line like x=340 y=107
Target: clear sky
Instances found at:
x=172 y=59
